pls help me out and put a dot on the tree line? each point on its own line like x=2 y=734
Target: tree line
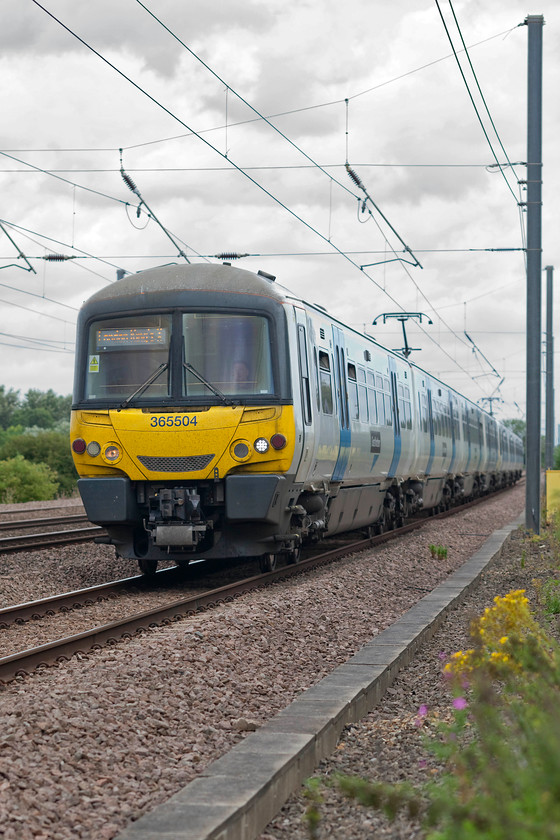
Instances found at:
x=35 y=459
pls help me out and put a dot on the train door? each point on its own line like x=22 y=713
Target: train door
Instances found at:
x=431 y=431
x=342 y=404
x=467 y=436
x=306 y=434
x=454 y=430
x=397 y=440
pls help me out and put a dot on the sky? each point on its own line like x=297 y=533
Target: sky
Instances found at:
x=177 y=92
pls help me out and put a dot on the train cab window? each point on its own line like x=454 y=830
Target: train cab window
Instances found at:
x=353 y=392
x=325 y=382
x=128 y=355
x=230 y=351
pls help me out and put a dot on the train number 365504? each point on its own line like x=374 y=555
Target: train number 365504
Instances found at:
x=162 y=422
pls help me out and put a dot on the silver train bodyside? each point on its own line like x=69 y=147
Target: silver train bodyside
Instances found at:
x=379 y=437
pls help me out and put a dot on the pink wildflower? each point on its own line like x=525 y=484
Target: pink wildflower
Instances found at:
x=460 y=703
x=422 y=712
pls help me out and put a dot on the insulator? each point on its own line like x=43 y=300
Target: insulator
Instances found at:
x=354 y=177
x=56 y=257
x=228 y=256
x=129 y=182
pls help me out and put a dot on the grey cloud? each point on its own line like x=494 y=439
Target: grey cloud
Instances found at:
x=105 y=25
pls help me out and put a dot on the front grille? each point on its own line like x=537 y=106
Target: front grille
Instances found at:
x=191 y=463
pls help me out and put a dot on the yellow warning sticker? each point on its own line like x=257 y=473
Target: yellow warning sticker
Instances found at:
x=94 y=364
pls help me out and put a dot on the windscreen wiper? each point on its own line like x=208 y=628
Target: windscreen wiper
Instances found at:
x=146 y=384
x=209 y=385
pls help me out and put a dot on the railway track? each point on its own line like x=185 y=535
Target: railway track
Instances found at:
x=64 y=531
x=24 y=524
x=23 y=662
x=38 y=541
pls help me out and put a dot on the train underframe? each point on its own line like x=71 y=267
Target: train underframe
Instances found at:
x=261 y=516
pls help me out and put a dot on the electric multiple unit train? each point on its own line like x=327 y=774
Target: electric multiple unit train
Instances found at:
x=217 y=415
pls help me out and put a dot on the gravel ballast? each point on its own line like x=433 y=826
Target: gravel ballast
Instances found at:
x=90 y=745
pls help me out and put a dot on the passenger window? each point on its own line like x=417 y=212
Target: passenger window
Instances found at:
x=372 y=407
x=325 y=382
x=380 y=408
x=353 y=392
x=401 y=413
x=388 y=409
x=316 y=379
x=363 y=403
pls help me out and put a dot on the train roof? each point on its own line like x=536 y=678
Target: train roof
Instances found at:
x=200 y=277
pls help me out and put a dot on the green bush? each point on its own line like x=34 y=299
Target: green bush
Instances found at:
x=22 y=481
x=45 y=447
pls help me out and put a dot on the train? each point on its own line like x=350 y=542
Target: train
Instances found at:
x=216 y=415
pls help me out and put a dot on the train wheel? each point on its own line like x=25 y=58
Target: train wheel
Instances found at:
x=293 y=556
x=388 y=518
x=268 y=562
x=147 y=566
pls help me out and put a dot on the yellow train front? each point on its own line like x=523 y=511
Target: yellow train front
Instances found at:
x=183 y=424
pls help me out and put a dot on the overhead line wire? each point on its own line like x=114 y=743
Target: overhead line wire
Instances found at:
x=238 y=168
x=96 y=192
x=37 y=312
x=472 y=100
x=479 y=88
x=65 y=180
x=42 y=297
x=206 y=142
x=64 y=245
x=282 y=113
x=265 y=119
x=159 y=169
x=510 y=164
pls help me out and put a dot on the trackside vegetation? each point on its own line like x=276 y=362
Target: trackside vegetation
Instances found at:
x=498 y=749
x=35 y=460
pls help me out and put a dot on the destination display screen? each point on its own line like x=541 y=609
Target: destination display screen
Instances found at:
x=109 y=339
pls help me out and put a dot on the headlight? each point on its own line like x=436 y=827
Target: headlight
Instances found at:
x=261 y=445
x=240 y=450
x=93 y=449
x=112 y=453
